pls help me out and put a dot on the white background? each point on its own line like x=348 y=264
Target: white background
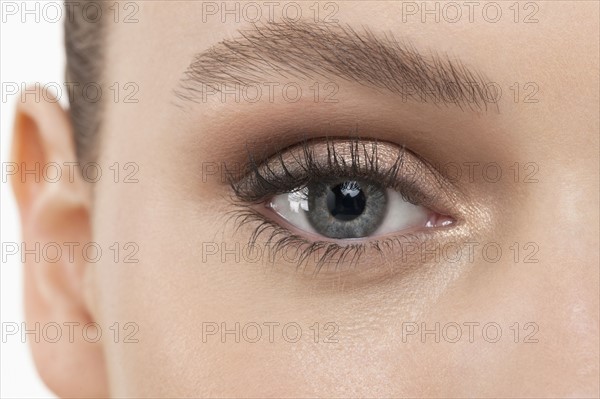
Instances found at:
x=30 y=51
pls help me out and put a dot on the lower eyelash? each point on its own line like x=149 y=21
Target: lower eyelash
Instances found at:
x=325 y=253
x=279 y=239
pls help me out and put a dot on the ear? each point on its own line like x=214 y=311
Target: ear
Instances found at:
x=55 y=219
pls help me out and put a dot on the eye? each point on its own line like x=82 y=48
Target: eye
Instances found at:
x=333 y=200
x=345 y=209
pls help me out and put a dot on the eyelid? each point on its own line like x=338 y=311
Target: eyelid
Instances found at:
x=329 y=159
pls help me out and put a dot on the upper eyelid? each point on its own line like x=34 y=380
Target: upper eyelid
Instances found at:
x=396 y=166
x=298 y=160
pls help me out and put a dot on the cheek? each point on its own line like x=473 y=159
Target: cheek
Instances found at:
x=198 y=312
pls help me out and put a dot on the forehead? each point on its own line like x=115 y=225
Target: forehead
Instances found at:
x=521 y=47
x=507 y=42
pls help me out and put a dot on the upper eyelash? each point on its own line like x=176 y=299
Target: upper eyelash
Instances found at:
x=262 y=182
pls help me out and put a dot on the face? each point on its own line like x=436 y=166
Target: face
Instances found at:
x=383 y=206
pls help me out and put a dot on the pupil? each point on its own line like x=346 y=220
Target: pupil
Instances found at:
x=346 y=201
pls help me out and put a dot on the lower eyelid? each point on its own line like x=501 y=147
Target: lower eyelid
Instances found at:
x=385 y=256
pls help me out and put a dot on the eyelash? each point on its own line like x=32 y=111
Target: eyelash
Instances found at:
x=262 y=181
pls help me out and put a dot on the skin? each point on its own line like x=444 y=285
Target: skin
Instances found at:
x=171 y=213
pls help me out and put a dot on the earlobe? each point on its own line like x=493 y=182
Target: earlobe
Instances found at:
x=55 y=223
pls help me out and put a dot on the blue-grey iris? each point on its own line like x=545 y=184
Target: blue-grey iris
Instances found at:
x=346 y=209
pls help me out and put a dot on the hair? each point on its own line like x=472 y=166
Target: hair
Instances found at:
x=84 y=65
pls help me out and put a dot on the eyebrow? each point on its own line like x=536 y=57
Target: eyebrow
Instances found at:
x=308 y=50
